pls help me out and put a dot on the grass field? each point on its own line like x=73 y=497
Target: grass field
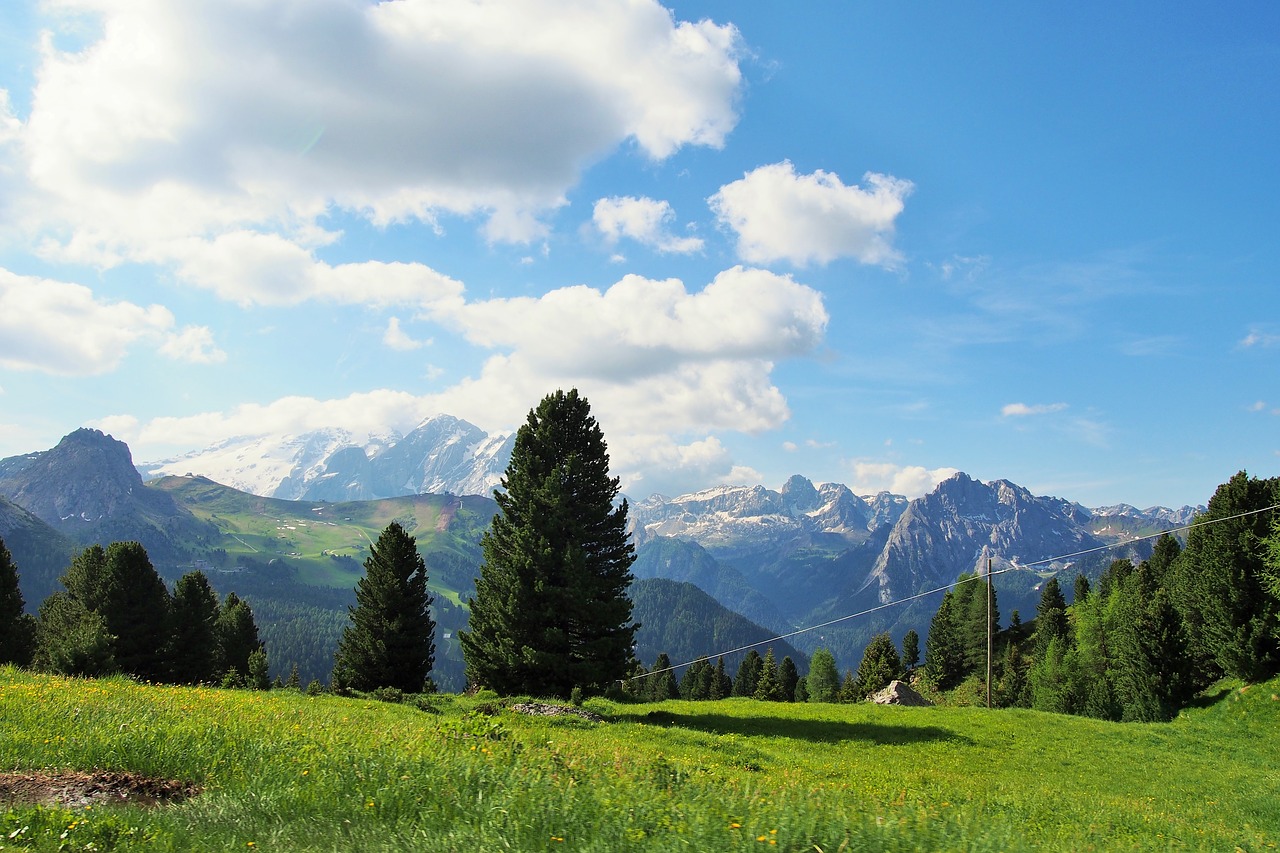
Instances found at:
x=286 y=771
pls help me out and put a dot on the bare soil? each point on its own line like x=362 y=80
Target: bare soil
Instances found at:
x=74 y=789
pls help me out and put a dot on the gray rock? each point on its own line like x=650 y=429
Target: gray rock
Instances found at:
x=899 y=693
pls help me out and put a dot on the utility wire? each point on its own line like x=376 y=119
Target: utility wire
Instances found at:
x=919 y=595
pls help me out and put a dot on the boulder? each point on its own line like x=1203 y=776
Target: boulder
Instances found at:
x=899 y=693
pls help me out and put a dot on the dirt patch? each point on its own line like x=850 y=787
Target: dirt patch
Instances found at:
x=74 y=789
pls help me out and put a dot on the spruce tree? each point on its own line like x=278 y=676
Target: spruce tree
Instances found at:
x=788 y=677
x=944 y=650
x=551 y=610
x=911 y=650
x=72 y=640
x=823 y=681
x=1051 y=616
x=768 y=685
x=1221 y=584
x=136 y=611
x=880 y=665
x=662 y=683
x=16 y=627
x=236 y=637
x=193 y=653
x=722 y=684
x=744 y=683
x=391 y=639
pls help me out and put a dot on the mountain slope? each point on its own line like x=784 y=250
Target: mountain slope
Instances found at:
x=88 y=489
x=41 y=553
x=686 y=623
x=442 y=454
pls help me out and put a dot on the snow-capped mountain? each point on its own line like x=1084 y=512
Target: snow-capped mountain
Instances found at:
x=442 y=454
x=730 y=517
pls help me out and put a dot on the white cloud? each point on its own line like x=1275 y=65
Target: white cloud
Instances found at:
x=654 y=359
x=649 y=464
x=644 y=220
x=265 y=269
x=870 y=478
x=643 y=327
x=362 y=413
x=396 y=338
x=803 y=219
x=193 y=344
x=63 y=329
x=1258 y=338
x=195 y=120
x=1022 y=410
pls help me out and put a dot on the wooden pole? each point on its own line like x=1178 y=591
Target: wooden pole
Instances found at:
x=989 y=632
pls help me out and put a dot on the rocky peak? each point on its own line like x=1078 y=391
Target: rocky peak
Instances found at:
x=799 y=494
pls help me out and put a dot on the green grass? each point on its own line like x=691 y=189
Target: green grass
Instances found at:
x=308 y=535
x=284 y=771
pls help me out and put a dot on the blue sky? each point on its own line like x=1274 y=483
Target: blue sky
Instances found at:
x=871 y=243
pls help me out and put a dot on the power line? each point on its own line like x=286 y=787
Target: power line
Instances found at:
x=953 y=584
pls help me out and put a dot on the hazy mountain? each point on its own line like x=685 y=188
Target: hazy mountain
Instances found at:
x=41 y=553
x=441 y=455
x=686 y=623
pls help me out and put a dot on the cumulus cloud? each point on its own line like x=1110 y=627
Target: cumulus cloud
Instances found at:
x=644 y=220
x=193 y=344
x=655 y=359
x=1022 y=410
x=190 y=121
x=265 y=269
x=396 y=338
x=871 y=478
x=803 y=219
x=63 y=329
x=644 y=327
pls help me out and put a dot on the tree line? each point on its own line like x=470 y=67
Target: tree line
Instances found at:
x=114 y=614
x=1147 y=638
x=767 y=679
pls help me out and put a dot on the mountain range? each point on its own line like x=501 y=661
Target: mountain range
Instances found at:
x=442 y=454
x=779 y=560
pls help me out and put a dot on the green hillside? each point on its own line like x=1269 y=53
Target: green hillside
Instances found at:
x=324 y=544
x=283 y=771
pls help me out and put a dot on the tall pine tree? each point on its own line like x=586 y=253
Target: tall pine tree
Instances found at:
x=551 y=610
x=17 y=630
x=193 y=651
x=391 y=639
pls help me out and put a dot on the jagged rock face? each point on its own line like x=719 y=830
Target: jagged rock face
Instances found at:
x=88 y=477
x=727 y=519
x=886 y=508
x=964 y=522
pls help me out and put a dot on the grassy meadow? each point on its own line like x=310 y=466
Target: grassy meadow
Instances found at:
x=286 y=771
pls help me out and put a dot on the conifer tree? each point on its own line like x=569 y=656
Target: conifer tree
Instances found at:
x=1220 y=583
x=744 y=683
x=551 y=610
x=391 y=639
x=662 y=684
x=788 y=678
x=722 y=685
x=823 y=681
x=768 y=685
x=944 y=651
x=1081 y=592
x=910 y=650
x=136 y=611
x=193 y=652
x=236 y=637
x=1051 y=616
x=72 y=640
x=880 y=665
x=849 y=688
x=17 y=629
